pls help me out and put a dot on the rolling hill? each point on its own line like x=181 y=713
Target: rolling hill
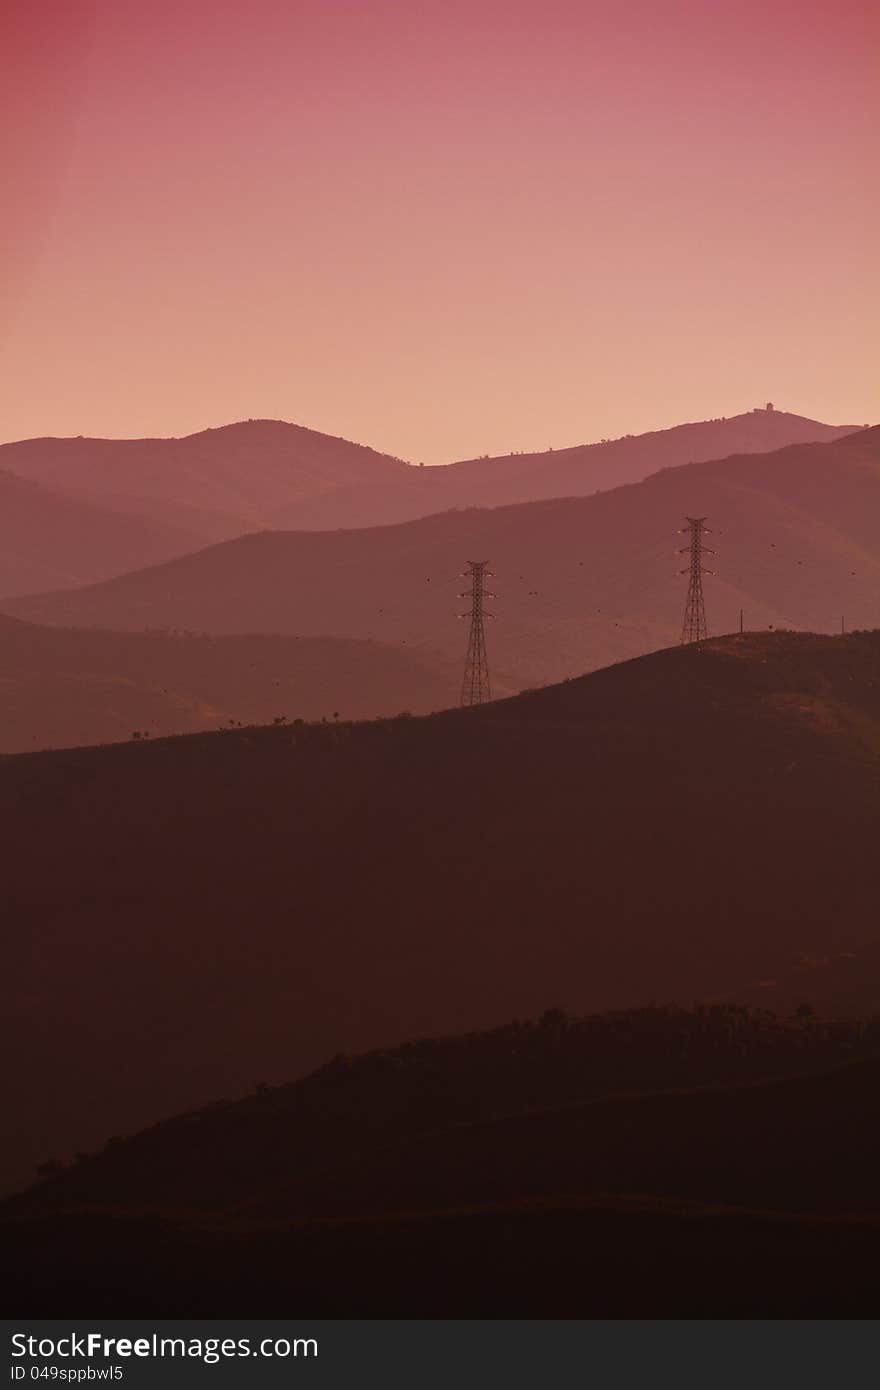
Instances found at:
x=186 y=917
x=268 y=474
x=52 y=539
x=322 y=1145
x=711 y=1141
x=217 y=483
x=60 y=687
x=574 y=472
x=581 y=581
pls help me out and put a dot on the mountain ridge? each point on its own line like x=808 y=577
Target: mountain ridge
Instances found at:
x=582 y=582
x=577 y=470
x=274 y=474
x=180 y=471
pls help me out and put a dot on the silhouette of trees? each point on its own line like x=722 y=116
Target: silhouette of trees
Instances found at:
x=556 y=1060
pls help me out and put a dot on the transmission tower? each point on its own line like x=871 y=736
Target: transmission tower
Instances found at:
x=694 y=626
x=475 y=688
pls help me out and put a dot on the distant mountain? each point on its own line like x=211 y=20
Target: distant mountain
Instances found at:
x=580 y=582
x=60 y=688
x=267 y=474
x=231 y=908
x=50 y=538
x=575 y=472
x=218 y=483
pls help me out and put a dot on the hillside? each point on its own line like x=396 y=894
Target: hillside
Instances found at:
x=230 y=908
x=321 y=1145
x=574 y=472
x=268 y=474
x=580 y=582
x=51 y=539
x=686 y=1136
x=217 y=483
x=61 y=687
x=611 y=1257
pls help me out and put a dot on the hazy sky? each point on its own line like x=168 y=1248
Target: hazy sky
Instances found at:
x=441 y=227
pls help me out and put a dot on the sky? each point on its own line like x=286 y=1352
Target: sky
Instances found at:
x=440 y=227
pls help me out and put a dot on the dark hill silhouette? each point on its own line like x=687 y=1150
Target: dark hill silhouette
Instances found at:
x=188 y=916
x=320 y=1145
x=616 y=1257
x=63 y=687
x=581 y=582
x=51 y=539
x=574 y=472
x=518 y=1143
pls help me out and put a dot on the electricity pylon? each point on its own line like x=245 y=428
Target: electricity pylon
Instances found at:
x=475 y=688
x=694 y=626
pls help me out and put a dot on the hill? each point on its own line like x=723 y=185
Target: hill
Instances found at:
x=228 y=908
x=49 y=539
x=526 y=477
x=268 y=474
x=320 y=1145
x=217 y=483
x=581 y=582
x=612 y=1257
x=523 y=1141
x=61 y=687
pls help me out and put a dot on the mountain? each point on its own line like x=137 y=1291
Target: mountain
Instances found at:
x=51 y=539
x=660 y=1138
x=217 y=483
x=76 y=511
x=186 y=917
x=60 y=688
x=525 y=477
x=581 y=582
x=267 y=474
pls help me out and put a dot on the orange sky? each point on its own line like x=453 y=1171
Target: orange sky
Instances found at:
x=441 y=227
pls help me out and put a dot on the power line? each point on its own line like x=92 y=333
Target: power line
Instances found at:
x=475 y=688
x=694 y=627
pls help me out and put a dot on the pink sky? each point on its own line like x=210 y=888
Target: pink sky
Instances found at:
x=441 y=227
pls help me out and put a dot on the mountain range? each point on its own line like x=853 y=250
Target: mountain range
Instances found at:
x=99 y=507
x=580 y=582
x=529 y=477
x=76 y=510
x=315 y=865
